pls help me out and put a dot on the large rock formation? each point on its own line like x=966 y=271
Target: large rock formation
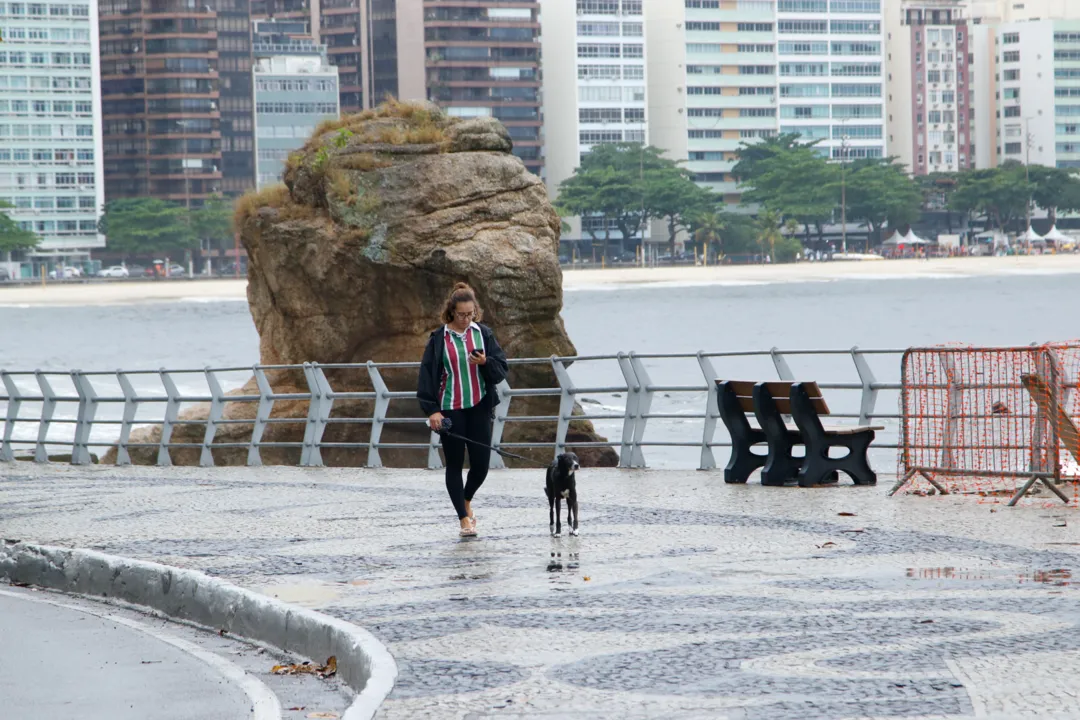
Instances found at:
x=352 y=258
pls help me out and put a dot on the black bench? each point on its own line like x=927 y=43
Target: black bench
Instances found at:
x=770 y=402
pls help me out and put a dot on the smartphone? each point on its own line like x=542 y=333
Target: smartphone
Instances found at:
x=477 y=351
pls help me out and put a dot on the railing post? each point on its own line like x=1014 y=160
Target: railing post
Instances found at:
x=84 y=420
x=48 y=407
x=14 y=402
x=217 y=409
x=782 y=369
x=309 y=454
x=868 y=400
x=627 y=452
x=712 y=412
x=952 y=409
x=502 y=411
x=131 y=406
x=378 y=418
x=645 y=398
x=262 y=414
x=566 y=404
x=172 y=414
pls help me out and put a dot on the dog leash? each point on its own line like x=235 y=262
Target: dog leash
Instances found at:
x=446 y=431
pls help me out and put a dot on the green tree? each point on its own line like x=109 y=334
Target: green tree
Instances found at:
x=879 y=191
x=13 y=237
x=673 y=196
x=611 y=183
x=790 y=178
x=146 y=226
x=213 y=222
x=998 y=195
x=1054 y=189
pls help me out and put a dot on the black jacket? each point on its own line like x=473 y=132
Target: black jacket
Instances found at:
x=431 y=371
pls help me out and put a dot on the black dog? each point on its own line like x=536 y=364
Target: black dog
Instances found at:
x=561 y=485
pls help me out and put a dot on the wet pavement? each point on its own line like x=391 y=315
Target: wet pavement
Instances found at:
x=683 y=597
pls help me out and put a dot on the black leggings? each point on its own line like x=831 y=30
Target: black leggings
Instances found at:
x=475 y=424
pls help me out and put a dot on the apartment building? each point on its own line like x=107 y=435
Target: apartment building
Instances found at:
x=1038 y=95
x=484 y=60
x=594 y=86
x=931 y=118
x=831 y=75
x=50 y=125
x=295 y=89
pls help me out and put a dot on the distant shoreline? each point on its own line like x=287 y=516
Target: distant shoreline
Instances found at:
x=574 y=280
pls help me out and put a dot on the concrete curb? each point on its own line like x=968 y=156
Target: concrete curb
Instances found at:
x=363 y=662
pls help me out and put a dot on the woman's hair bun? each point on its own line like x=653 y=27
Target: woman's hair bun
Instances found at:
x=462 y=286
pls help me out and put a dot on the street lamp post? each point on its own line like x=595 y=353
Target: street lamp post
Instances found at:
x=843 y=192
x=1027 y=180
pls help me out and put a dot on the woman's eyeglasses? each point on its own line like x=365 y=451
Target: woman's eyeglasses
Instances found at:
x=465 y=315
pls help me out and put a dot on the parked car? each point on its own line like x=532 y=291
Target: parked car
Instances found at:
x=177 y=270
x=4 y=275
x=114 y=271
x=69 y=273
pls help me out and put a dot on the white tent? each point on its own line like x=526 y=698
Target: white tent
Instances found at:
x=1056 y=236
x=912 y=239
x=1030 y=237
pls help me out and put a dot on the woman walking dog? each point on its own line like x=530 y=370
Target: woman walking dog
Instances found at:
x=462 y=365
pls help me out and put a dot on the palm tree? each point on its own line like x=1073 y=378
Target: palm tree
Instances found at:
x=708 y=229
x=768 y=232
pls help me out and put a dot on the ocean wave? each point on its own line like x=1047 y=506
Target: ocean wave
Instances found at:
x=212 y=299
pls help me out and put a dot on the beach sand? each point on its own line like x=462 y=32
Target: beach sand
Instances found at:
x=126 y=293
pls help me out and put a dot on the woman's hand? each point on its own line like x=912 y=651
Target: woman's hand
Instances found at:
x=435 y=421
x=477 y=358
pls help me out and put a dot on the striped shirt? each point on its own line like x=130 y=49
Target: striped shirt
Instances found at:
x=462 y=384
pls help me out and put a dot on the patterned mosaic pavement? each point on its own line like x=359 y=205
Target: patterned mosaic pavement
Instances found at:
x=683 y=597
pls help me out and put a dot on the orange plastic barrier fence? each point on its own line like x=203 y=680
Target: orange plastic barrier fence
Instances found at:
x=991 y=422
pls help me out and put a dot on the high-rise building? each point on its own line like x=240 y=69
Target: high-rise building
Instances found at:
x=160 y=97
x=484 y=60
x=50 y=124
x=931 y=117
x=295 y=89
x=832 y=76
x=595 y=85
x=1038 y=96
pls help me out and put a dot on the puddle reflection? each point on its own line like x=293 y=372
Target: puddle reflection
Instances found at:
x=1055 y=576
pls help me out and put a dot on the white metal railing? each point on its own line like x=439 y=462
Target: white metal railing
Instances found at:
x=31 y=400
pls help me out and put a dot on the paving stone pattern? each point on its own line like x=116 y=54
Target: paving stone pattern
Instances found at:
x=683 y=597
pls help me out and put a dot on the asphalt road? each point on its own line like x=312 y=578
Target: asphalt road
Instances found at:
x=59 y=662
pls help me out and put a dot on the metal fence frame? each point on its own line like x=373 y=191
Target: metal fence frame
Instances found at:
x=639 y=392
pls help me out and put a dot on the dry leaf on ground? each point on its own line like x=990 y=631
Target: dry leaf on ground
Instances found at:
x=307 y=668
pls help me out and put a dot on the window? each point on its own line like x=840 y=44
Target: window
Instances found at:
x=804 y=90
x=757 y=112
x=1058 y=55
x=754 y=27
x=600 y=115
x=634 y=72
x=933 y=76
x=802 y=27
x=707 y=156
x=948 y=96
x=598 y=7
x=705 y=134
x=857 y=132
x=1013 y=38
x=804 y=112
x=860 y=90
x=856 y=27
x=598 y=72
x=751 y=48
x=756 y=69
x=1066 y=110
x=600 y=94
x=804 y=69
x=591 y=50
x=1068 y=129
x=706 y=4
x=856 y=69
x=804 y=48
x=1067 y=37
x=816 y=132
x=856 y=48
x=703 y=26
x=1012 y=111
x=1014 y=56
x=633 y=29
x=803 y=6
x=696 y=48
x=633 y=51
x=631 y=7
x=1014 y=93
x=858 y=111
x=1013 y=148
x=756 y=133
x=855 y=6
x=591 y=29
x=634 y=115
x=856 y=153
x=599 y=137
x=757 y=91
